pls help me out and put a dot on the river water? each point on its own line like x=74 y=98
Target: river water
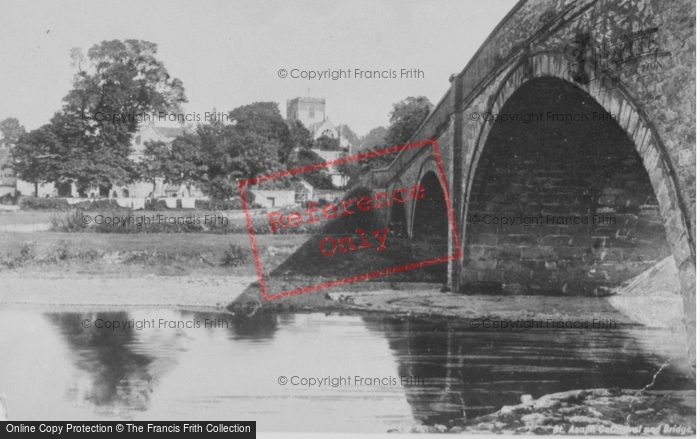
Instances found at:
x=53 y=368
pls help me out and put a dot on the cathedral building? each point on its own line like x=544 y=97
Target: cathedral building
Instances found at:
x=312 y=113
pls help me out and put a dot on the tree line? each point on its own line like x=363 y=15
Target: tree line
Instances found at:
x=126 y=77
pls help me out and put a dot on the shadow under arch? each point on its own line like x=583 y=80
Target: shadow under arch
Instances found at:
x=430 y=221
x=397 y=221
x=580 y=212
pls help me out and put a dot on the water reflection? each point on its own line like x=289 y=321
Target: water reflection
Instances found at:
x=57 y=369
x=120 y=376
x=258 y=326
x=470 y=372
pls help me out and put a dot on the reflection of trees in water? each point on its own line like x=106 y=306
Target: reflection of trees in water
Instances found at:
x=124 y=366
x=120 y=376
x=472 y=372
x=259 y=326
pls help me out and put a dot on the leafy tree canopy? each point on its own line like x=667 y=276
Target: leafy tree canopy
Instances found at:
x=300 y=136
x=325 y=143
x=352 y=138
x=11 y=131
x=406 y=118
x=264 y=119
x=318 y=178
x=119 y=77
x=375 y=137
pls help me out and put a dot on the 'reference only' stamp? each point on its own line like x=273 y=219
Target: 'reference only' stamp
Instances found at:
x=379 y=200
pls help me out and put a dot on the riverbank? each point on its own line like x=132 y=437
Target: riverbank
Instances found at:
x=188 y=292
x=241 y=294
x=600 y=412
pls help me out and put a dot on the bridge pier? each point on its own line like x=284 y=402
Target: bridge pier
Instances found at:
x=456 y=178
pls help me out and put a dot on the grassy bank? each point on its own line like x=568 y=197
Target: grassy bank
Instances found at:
x=49 y=253
x=22 y=218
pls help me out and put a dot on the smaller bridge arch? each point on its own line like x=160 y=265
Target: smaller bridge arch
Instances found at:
x=429 y=213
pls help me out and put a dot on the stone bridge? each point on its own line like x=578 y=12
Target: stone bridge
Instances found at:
x=577 y=119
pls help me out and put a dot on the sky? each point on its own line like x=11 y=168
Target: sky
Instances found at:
x=230 y=53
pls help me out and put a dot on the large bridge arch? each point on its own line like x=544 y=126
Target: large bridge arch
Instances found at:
x=616 y=102
x=639 y=130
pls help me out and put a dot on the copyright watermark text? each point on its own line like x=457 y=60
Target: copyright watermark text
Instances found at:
x=117 y=118
x=350 y=381
x=141 y=324
x=542 y=220
x=511 y=325
x=339 y=74
x=541 y=117
x=148 y=220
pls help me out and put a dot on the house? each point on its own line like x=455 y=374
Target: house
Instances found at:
x=7 y=175
x=274 y=198
x=303 y=191
x=148 y=131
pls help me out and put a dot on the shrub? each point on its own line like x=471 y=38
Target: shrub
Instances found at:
x=236 y=256
x=8 y=199
x=27 y=251
x=33 y=203
x=214 y=204
x=68 y=222
x=249 y=196
x=27 y=255
x=62 y=252
x=156 y=205
x=100 y=204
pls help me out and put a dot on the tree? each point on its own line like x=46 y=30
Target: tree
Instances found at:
x=350 y=136
x=90 y=158
x=11 y=132
x=318 y=178
x=181 y=162
x=124 y=78
x=406 y=118
x=299 y=135
x=120 y=78
x=36 y=157
x=264 y=120
x=215 y=157
x=353 y=170
x=325 y=143
x=375 y=137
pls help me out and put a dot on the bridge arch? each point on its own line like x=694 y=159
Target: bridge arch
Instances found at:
x=646 y=142
x=429 y=214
